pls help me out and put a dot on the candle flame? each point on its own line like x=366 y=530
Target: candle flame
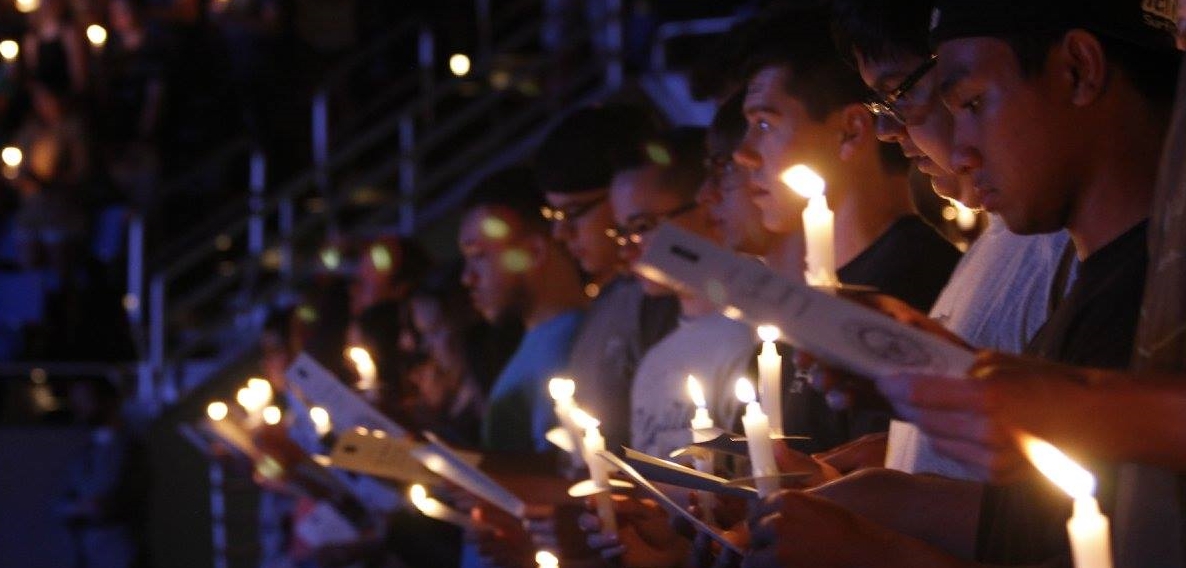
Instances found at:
x=320 y=418
x=360 y=356
x=217 y=410
x=696 y=392
x=769 y=333
x=261 y=386
x=9 y=49
x=96 y=34
x=12 y=156
x=745 y=391
x=251 y=399
x=418 y=495
x=1060 y=469
x=459 y=64
x=804 y=181
x=584 y=419
x=561 y=388
x=545 y=559
x=272 y=415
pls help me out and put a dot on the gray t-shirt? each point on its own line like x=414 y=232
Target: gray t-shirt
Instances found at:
x=997 y=298
x=714 y=348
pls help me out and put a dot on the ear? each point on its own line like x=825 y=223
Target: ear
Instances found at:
x=856 y=130
x=1084 y=66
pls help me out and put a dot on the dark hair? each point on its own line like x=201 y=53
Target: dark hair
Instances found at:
x=582 y=152
x=1152 y=72
x=799 y=40
x=728 y=125
x=514 y=188
x=679 y=153
x=881 y=29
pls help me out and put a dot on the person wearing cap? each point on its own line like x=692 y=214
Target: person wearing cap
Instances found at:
x=574 y=166
x=1059 y=114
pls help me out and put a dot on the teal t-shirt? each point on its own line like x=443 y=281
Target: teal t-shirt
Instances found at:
x=519 y=409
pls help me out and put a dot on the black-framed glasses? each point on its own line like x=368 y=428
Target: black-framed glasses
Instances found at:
x=572 y=213
x=644 y=223
x=888 y=105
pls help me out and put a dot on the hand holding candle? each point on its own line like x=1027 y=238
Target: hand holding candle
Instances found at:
x=757 y=438
x=818 y=223
x=770 y=377
x=598 y=470
x=1091 y=543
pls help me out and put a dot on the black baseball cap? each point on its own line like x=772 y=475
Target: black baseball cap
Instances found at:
x=1147 y=23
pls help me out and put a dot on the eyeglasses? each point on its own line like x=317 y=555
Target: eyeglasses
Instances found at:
x=570 y=214
x=888 y=105
x=644 y=223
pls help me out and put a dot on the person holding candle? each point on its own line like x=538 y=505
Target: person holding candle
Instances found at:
x=574 y=166
x=992 y=78
x=803 y=105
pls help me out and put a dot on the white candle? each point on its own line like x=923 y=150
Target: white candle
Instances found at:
x=433 y=508
x=254 y=398
x=818 y=223
x=321 y=421
x=562 y=391
x=702 y=432
x=218 y=414
x=757 y=437
x=1091 y=543
x=368 y=374
x=770 y=377
x=598 y=470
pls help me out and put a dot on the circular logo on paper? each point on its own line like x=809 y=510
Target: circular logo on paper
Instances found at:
x=887 y=345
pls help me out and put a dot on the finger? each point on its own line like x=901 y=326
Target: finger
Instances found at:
x=947 y=394
x=992 y=464
x=958 y=425
x=589 y=522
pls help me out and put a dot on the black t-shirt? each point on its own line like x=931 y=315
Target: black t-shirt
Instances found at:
x=910 y=261
x=1094 y=326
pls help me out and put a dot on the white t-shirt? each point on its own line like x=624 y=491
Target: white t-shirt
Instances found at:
x=997 y=298
x=714 y=348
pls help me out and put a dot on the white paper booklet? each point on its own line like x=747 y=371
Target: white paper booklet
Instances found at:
x=347 y=409
x=838 y=331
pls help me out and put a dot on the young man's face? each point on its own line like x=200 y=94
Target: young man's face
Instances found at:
x=926 y=130
x=497 y=261
x=780 y=134
x=586 y=216
x=728 y=194
x=1011 y=136
x=640 y=204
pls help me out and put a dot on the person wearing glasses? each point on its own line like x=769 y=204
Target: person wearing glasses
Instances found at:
x=1001 y=291
x=574 y=166
x=804 y=105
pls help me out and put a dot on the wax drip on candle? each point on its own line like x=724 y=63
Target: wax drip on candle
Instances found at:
x=1089 y=529
x=770 y=377
x=757 y=438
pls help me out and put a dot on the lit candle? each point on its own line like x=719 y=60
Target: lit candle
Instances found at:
x=757 y=437
x=218 y=414
x=321 y=422
x=702 y=432
x=562 y=391
x=368 y=374
x=433 y=508
x=545 y=559
x=97 y=35
x=9 y=50
x=770 y=377
x=253 y=398
x=272 y=415
x=1091 y=543
x=818 y=224
x=598 y=470
x=12 y=157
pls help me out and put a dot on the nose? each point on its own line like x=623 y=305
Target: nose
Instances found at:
x=889 y=130
x=966 y=160
x=746 y=156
